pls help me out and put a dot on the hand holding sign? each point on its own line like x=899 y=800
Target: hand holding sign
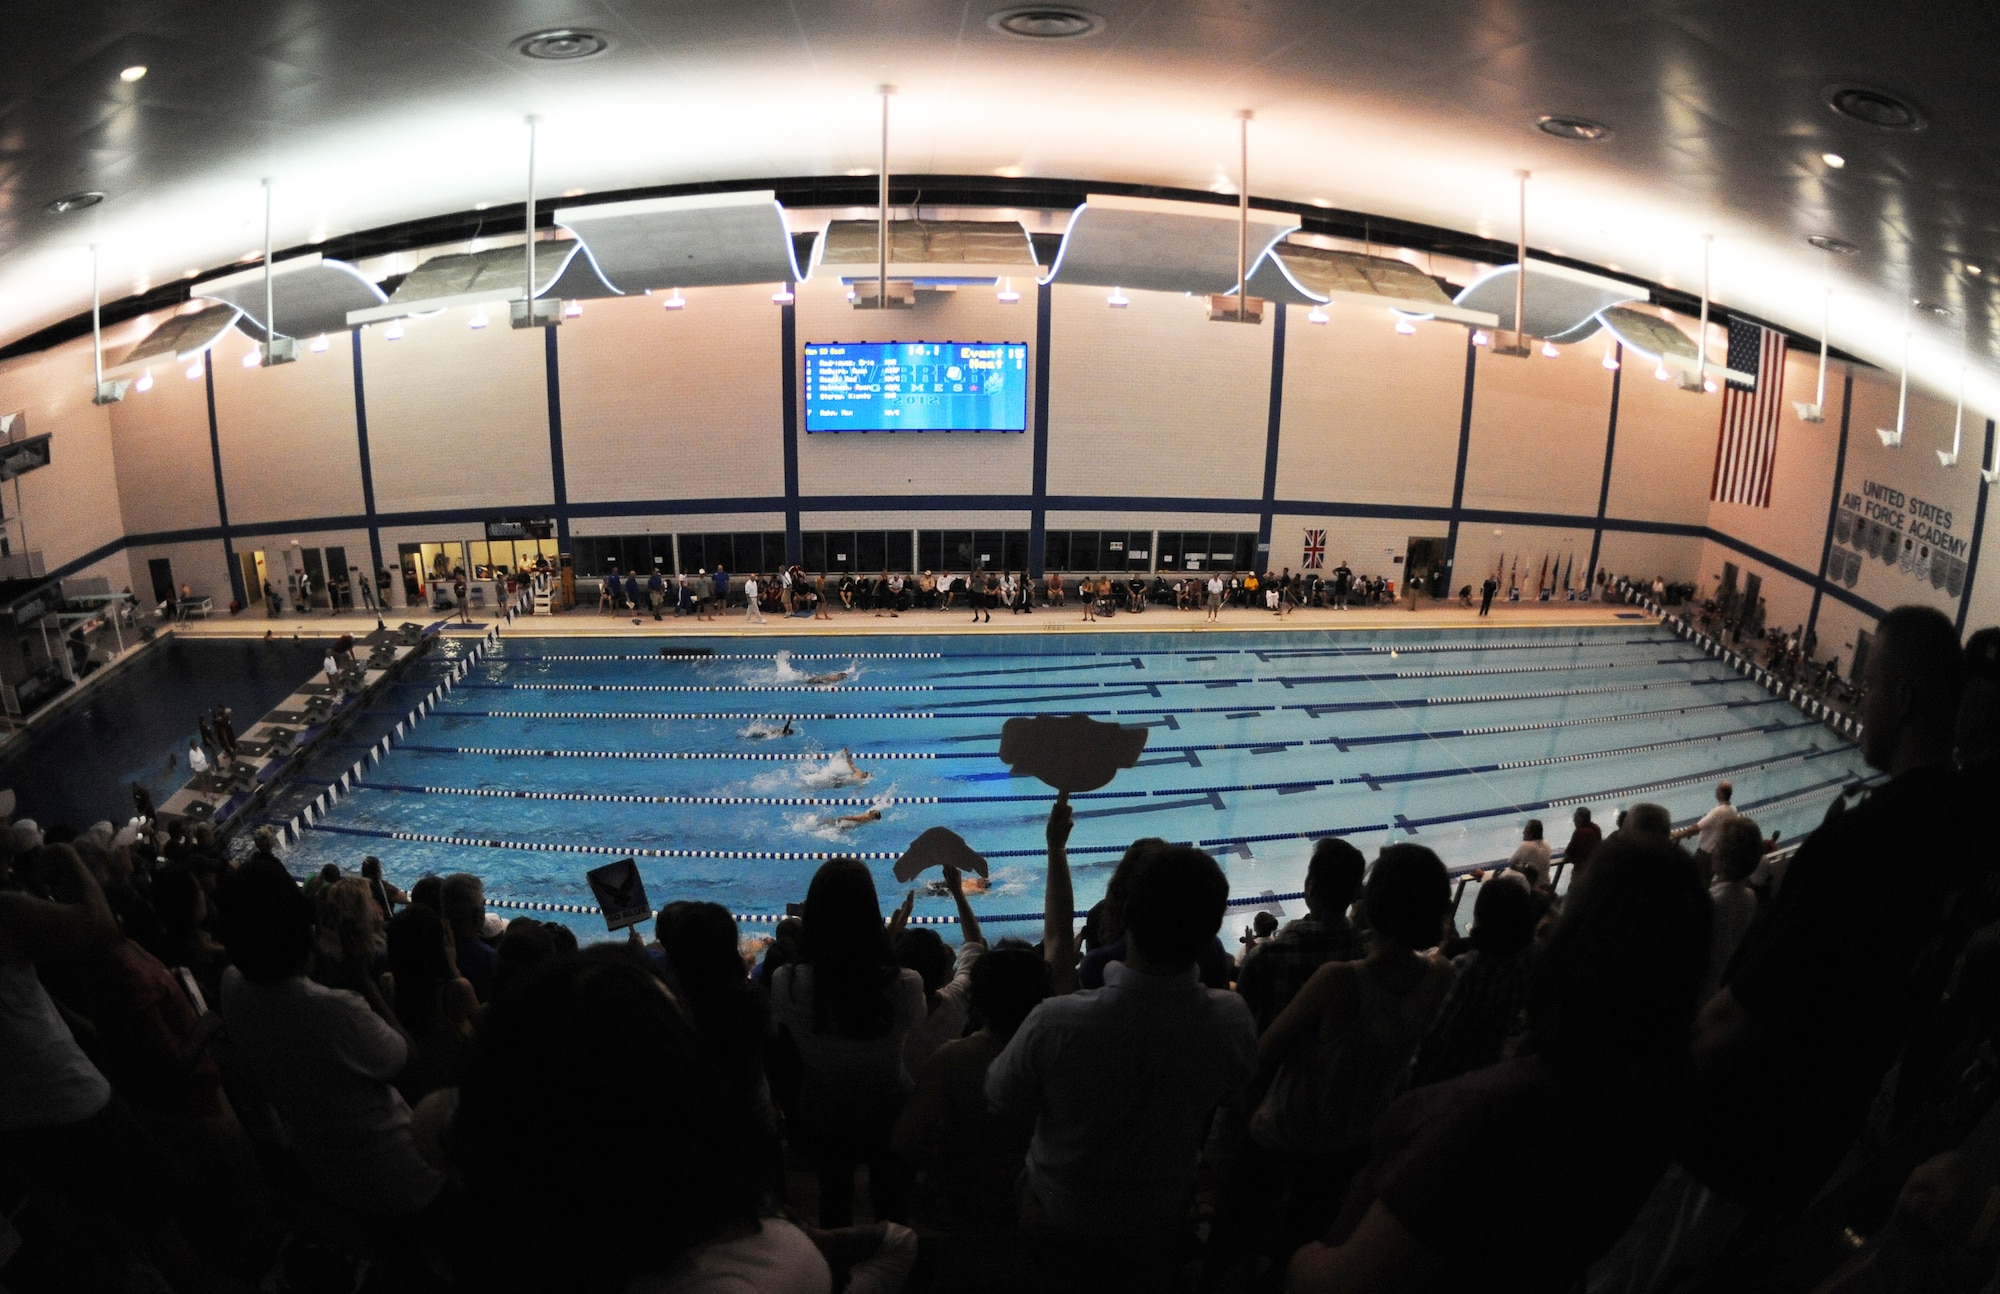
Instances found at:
x=938 y=847
x=1073 y=753
x=620 y=894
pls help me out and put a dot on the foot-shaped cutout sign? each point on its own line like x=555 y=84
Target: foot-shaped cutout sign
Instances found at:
x=1073 y=752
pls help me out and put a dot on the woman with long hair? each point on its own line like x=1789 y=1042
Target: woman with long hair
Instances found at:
x=433 y=1002
x=848 y=1005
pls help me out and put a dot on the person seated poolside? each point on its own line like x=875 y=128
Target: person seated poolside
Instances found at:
x=847 y=592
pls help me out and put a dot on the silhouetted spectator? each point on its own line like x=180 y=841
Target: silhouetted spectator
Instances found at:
x=1273 y=972
x=1489 y=986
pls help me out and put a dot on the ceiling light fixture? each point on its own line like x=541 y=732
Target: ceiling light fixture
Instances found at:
x=145 y=382
x=1046 y=22
x=783 y=296
x=1117 y=300
x=574 y=310
x=319 y=344
x=1317 y=316
x=1405 y=326
x=1549 y=349
x=394 y=332
x=1661 y=372
x=1580 y=129
x=69 y=202
x=1838 y=246
x=1882 y=109
x=1835 y=160
x=194 y=371
x=1972 y=270
x=1611 y=357
x=250 y=358
x=676 y=301
x=1931 y=308
x=1007 y=296
x=478 y=319
x=562 y=44
x=132 y=73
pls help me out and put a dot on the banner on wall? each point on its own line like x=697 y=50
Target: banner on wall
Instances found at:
x=1882 y=523
x=1314 y=557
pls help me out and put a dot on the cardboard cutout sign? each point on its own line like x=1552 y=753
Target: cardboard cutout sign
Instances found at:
x=1072 y=753
x=620 y=894
x=935 y=848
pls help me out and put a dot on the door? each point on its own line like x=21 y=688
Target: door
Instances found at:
x=316 y=571
x=411 y=558
x=252 y=566
x=336 y=574
x=1753 y=587
x=162 y=572
x=1725 y=597
x=1424 y=566
x=1862 y=640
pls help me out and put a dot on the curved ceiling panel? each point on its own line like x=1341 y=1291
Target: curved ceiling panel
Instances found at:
x=181 y=337
x=308 y=294
x=1160 y=246
x=705 y=240
x=1560 y=303
x=1305 y=275
x=496 y=274
x=927 y=251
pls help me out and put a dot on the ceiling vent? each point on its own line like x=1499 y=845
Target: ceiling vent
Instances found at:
x=1046 y=22
x=1880 y=109
x=1838 y=246
x=562 y=44
x=1582 y=129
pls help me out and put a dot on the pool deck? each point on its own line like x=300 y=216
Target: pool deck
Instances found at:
x=590 y=623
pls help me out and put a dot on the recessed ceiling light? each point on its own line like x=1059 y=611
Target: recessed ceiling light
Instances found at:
x=1578 y=128
x=74 y=202
x=133 y=72
x=1972 y=269
x=1835 y=160
x=1882 y=109
x=1931 y=308
x=562 y=44
x=1046 y=22
x=1838 y=246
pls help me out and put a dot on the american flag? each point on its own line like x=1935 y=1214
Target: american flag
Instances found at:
x=1746 y=451
x=1315 y=556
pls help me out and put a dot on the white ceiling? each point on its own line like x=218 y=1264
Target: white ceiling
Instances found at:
x=367 y=113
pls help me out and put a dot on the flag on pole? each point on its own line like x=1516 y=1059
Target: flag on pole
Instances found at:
x=1568 y=566
x=1513 y=569
x=1542 y=580
x=1499 y=565
x=1746 y=449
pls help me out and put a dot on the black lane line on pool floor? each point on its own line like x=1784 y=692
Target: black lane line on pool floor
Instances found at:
x=1604 y=638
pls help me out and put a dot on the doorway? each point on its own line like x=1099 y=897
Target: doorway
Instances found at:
x=1859 y=667
x=1424 y=566
x=410 y=558
x=162 y=572
x=1725 y=597
x=1753 y=587
x=254 y=575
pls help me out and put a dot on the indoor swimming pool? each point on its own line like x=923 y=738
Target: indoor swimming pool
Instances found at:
x=551 y=755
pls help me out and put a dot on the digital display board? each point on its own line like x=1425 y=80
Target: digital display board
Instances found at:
x=916 y=386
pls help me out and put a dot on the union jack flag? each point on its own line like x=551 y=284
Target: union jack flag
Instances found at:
x=1315 y=557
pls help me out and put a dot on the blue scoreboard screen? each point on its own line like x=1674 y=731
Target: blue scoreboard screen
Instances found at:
x=916 y=386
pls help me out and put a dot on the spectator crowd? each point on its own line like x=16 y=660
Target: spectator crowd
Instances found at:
x=1660 y=1060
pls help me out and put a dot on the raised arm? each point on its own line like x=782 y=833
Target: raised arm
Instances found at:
x=968 y=924
x=1059 y=901
x=78 y=921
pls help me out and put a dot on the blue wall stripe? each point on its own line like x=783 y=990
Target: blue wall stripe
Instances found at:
x=1819 y=581
x=788 y=386
x=1464 y=452
x=1038 y=516
x=1274 y=422
x=221 y=497
x=1978 y=533
x=558 y=475
x=1610 y=448
x=367 y=461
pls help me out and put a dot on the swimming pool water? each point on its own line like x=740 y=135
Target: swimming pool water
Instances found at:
x=1259 y=743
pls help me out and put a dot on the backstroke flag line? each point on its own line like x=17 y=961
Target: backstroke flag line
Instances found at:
x=1746 y=450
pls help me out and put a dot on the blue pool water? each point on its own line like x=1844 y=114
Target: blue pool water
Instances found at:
x=1259 y=743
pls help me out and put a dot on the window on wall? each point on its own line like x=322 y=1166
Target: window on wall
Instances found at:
x=1127 y=550
x=961 y=550
x=859 y=551
x=596 y=555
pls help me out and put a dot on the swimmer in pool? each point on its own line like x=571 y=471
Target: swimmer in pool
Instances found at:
x=849 y=821
x=838 y=676
x=848 y=773
x=760 y=730
x=972 y=884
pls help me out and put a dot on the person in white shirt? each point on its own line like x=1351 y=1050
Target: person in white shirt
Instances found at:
x=1214 y=597
x=1739 y=848
x=752 y=613
x=1709 y=829
x=197 y=761
x=324 y=1058
x=1531 y=856
x=1120 y=1082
